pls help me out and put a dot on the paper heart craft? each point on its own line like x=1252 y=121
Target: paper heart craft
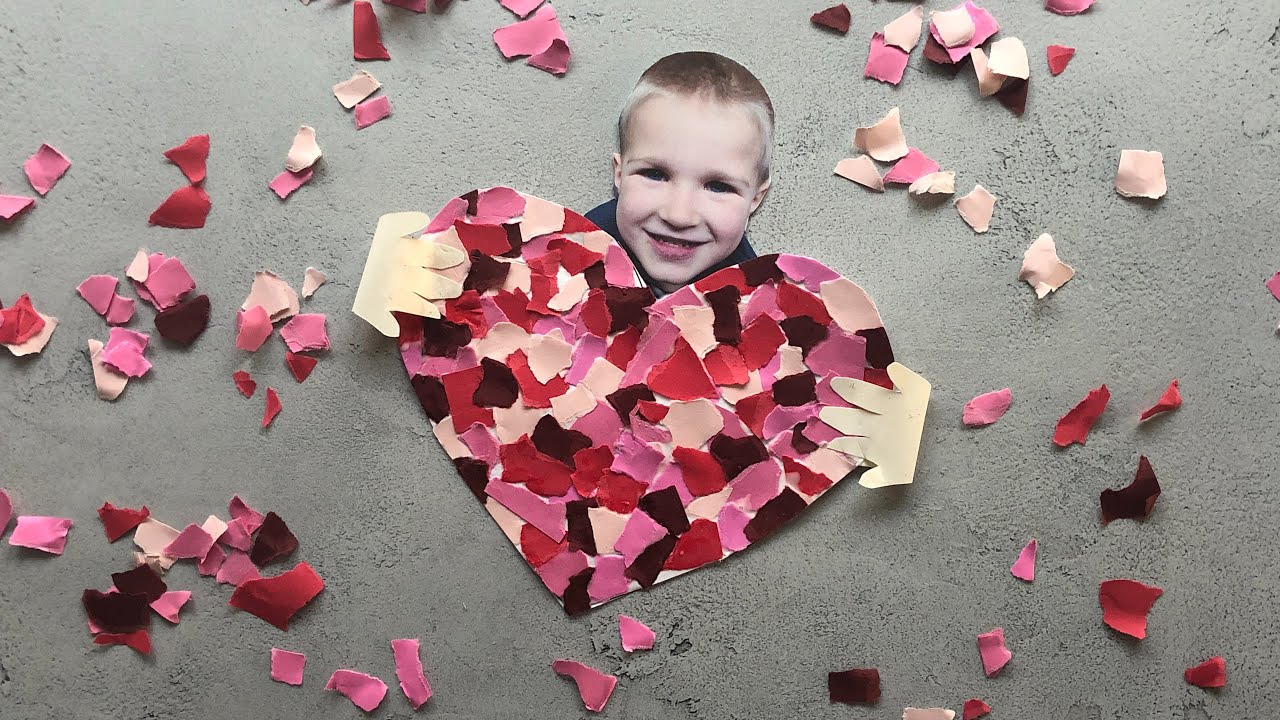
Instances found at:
x=620 y=441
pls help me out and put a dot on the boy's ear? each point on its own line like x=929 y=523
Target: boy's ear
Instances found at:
x=617 y=171
x=759 y=198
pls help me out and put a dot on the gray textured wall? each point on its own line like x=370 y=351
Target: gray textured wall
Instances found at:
x=900 y=579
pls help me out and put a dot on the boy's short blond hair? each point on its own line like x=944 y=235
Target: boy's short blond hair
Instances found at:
x=707 y=75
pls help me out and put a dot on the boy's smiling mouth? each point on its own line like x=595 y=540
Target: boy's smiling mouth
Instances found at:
x=673 y=248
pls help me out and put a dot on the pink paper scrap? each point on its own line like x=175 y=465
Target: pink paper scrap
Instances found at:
x=364 y=691
x=124 y=350
x=1067 y=7
x=192 y=542
x=987 y=407
x=371 y=111
x=286 y=182
x=409 y=671
x=38 y=532
x=306 y=331
x=45 y=167
x=254 y=328
x=168 y=283
x=635 y=634
x=984 y=25
x=1274 y=285
x=913 y=166
x=594 y=686
x=170 y=603
x=6 y=511
x=994 y=654
x=12 y=205
x=98 y=290
x=287 y=666
x=120 y=311
x=1024 y=568
x=885 y=63
x=237 y=569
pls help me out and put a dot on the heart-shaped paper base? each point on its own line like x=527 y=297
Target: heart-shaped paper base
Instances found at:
x=618 y=441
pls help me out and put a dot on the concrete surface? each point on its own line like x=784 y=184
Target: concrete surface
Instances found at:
x=901 y=579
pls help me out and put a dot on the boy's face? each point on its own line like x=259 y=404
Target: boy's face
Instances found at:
x=687 y=185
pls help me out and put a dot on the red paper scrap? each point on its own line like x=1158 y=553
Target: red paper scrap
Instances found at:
x=682 y=376
x=274 y=540
x=20 y=322
x=1136 y=499
x=858 y=685
x=1125 y=605
x=190 y=157
x=975 y=708
x=186 y=208
x=1211 y=673
x=139 y=640
x=276 y=599
x=273 y=407
x=1170 y=400
x=244 y=383
x=1074 y=426
x=1059 y=56
x=118 y=521
x=366 y=36
x=836 y=17
x=300 y=365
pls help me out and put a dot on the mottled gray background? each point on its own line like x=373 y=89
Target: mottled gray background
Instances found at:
x=900 y=579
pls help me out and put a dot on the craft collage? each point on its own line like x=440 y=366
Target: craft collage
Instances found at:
x=929 y=316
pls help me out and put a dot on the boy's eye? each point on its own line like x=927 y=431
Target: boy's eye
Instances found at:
x=717 y=186
x=653 y=174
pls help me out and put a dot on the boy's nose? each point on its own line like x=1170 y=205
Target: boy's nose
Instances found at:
x=678 y=209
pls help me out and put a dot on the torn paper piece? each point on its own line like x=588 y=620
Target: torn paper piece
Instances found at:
x=275 y=296
x=938 y=183
x=928 y=714
x=976 y=208
x=192 y=542
x=272 y=409
x=273 y=541
x=539 y=37
x=364 y=691
x=854 y=686
x=953 y=27
x=13 y=205
x=191 y=158
x=253 y=328
x=1211 y=673
x=849 y=305
x=397 y=273
x=237 y=569
x=167 y=283
x=1058 y=57
x=97 y=290
x=184 y=322
x=862 y=171
x=635 y=634
x=913 y=166
x=413 y=683
x=987 y=407
x=20 y=322
x=244 y=383
x=836 y=17
x=6 y=511
x=594 y=686
x=311 y=281
x=884 y=140
x=1074 y=426
x=520 y=7
x=186 y=208
x=304 y=152
x=975 y=708
x=1141 y=174
x=142 y=580
x=38 y=532
x=994 y=654
x=170 y=604
x=372 y=110
x=151 y=537
x=885 y=424
x=124 y=352
x=1041 y=268
x=1008 y=57
x=904 y=31
x=118 y=521
x=286 y=182
x=305 y=332
x=1024 y=568
x=300 y=366
x=366 y=36
x=984 y=27
x=1170 y=400
x=1067 y=7
x=276 y=599
x=989 y=83
x=44 y=168
x=120 y=311
x=885 y=63
x=418 y=6
x=360 y=86
x=1135 y=500
x=36 y=343
x=138 y=640
x=287 y=666
x=1126 y=604
x=555 y=59
x=1013 y=95
x=139 y=268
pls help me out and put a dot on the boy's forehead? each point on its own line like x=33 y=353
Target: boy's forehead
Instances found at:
x=677 y=111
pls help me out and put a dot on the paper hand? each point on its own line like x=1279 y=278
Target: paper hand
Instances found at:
x=886 y=424
x=398 y=273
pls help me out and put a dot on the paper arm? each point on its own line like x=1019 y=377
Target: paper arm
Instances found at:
x=397 y=274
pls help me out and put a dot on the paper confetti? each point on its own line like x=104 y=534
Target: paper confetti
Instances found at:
x=170 y=604
x=885 y=63
x=938 y=183
x=1074 y=426
x=305 y=332
x=1041 y=268
x=952 y=27
x=244 y=383
x=1135 y=500
x=413 y=683
x=97 y=290
x=364 y=691
x=1169 y=401
x=635 y=634
x=854 y=686
x=976 y=208
x=1125 y=605
x=352 y=91
x=1211 y=673
x=520 y=7
x=594 y=686
x=904 y=31
x=836 y=17
x=253 y=327
x=277 y=599
x=44 y=168
x=928 y=714
x=12 y=206
x=371 y=111
x=300 y=366
x=191 y=157
x=540 y=37
x=884 y=140
x=1141 y=174
x=1024 y=568
x=1067 y=7
x=116 y=522
x=186 y=321
x=273 y=407
x=993 y=651
x=366 y=36
x=186 y=208
x=989 y=83
x=913 y=166
x=6 y=511
x=984 y=27
x=304 y=152
x=987 y=408
x=124 y=352
x=287 y=666
x=38 y=532
x=311 y=281
x=1058 y=57
x=862 y=171
x=1008 y=57
x=286 y=182
x=25 y=330
x=975 y=708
